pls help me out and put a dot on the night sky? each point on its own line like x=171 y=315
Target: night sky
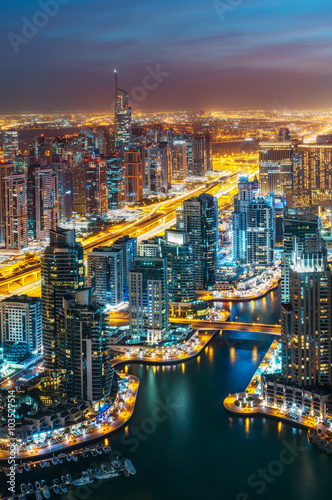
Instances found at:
x=246 y=53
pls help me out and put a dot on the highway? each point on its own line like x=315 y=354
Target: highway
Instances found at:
x=160 y=216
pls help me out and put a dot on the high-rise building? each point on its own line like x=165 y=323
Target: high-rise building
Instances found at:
x=129 y=253
x=199 y=155
x=96 y=188
x=209 y=152
x=122 y=117
x=302 y=224
x=115 y=181
x=307 y=318
x=166 y=166
x=242 y=200
x=16 y=211
x=179 y=160
x=276 y=167
x=20 y=327
x=284 y=134
x=6 y=169
x=38 y=149
x=105 y=275
x=103 y=141
x=133 y=176
x=46 y=202
x=79 y=184
x=180 y=264
x=10 y=145
x=87 y=360
x=63 y=172
x=152 y=170
x=261 y=231
x=148 y=300
x=201 y=222
x=312 y=175
x=62 y=271
x=87 y=139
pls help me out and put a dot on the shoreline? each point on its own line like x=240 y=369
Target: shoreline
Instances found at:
x=99 y=434
x=245 y=299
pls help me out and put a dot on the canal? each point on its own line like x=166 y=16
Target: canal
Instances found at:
x=186 y=447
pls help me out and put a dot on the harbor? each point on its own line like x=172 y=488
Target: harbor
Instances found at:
x=40 y=489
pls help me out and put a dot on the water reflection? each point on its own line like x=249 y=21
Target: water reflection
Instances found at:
x=232 y=355
x=254 y=354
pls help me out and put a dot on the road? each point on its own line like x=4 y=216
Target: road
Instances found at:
x=159 y=217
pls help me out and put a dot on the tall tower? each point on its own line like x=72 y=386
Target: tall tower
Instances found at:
x=133 y=175
x=307 y=318
x=148 y=299
x=200 y=220
x=122 y=120
x=62 y=271
x=16 y=211
x=46 y=202
x=105 y=275
x=261 y=231
x=89 y=373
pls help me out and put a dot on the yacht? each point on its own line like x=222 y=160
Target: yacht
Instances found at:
x=26 y=467
x=129 y=466
x=63 y=488
x=74 y=457
x=54 y=461
x=23 y=488
x=84 y=479
x=116 y=463
x=20 y=470
x=93 y=453
x=69 y=479
x=30 y=488
x=46 y=491
x=42 y=464
x=64 y=479
x=37 y=484
x=85 y=454
x=38 y=495
x=22 y=497
x=56 y=489
x=98 y=450
x=68 y=457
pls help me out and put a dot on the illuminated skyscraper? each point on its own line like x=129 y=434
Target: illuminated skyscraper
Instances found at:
x=96 y=188
x=115 y=181
x=38 y=149
x=133 y=175
x=20 y=327
x=46 y=202
x=122 y=117
x=6 y=169
x=152 y=170
x=10 y=145
x=299 y=224
x=129 y=252
x=261 y=231
x=79 y=184
x=148 y=299
x=199 y=155
x=179 y=160
x=103 y=141
x=284 y=134
x=87 y=361
x=105 y=275
x=16 y=211
x=166 y=166
x=242 y=200
x=307 y=318
x=201 y=222
x=276 y=167
x=62 y=271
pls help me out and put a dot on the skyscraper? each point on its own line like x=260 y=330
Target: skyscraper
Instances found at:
x=133 y=176
x=166 y=166
x=284 y=134
x=6 y=169
x=103 y=141
x=122 y=117
x=152 y=170
x=16 y=211
x=115 y=182
x=105 y=275
x=10 y=145
x=276 y=167
x=96 y=187
x=179 y=160
x=242 y=200
x=180 y=265
x=302 y=224
x=307 y=318
x=129 y=253
x=148 y=300
x=46 y=202
x=62 y=271
x=199 y=155
x=201 y=222
x=261 y=231
x=20 y=327
x=89 y=373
